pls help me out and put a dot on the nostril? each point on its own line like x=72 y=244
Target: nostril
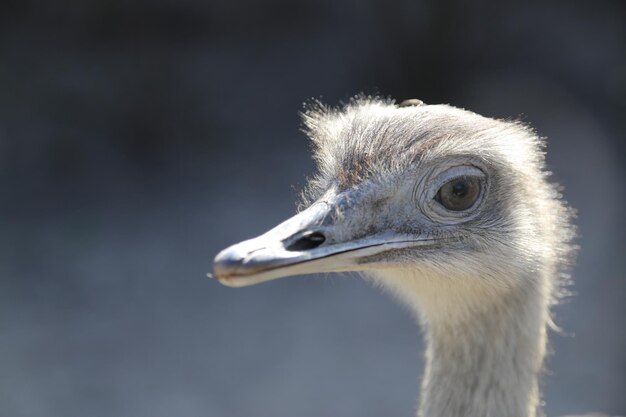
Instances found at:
x=308 y=240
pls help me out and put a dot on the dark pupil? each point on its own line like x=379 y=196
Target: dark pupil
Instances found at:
x=459 y=194
x=459 y=189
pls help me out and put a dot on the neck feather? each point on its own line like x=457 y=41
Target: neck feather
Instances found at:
x=484 y=348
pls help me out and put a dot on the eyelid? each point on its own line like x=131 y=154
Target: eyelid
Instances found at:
x=453 y=173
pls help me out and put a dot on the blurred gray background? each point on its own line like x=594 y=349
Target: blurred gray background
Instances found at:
x=137 y=139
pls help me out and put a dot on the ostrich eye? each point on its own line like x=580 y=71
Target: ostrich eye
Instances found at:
x=459 y=194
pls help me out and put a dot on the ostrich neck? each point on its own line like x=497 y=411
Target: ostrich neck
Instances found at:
x=483 y=359
x=486 y=366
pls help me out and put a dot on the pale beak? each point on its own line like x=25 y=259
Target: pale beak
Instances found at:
x=304 y=244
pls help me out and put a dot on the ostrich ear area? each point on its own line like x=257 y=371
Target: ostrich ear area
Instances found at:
x=303 y=244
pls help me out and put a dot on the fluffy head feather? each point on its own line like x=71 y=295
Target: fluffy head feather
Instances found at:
x=375 y=147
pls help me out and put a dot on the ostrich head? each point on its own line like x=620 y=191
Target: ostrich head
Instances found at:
x=450 y=204
x=450 y=211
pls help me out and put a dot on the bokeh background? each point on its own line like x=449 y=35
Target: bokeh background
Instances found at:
x=138 y=138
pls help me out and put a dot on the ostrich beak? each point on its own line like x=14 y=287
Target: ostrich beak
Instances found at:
x=304 y=244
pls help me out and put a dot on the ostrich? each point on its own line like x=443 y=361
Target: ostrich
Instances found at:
x=451 y=212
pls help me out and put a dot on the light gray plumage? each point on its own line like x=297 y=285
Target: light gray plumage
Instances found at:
x=481 y=279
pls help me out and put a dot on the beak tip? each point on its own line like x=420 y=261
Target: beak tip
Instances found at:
x=228 y=266
x=226 y=262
